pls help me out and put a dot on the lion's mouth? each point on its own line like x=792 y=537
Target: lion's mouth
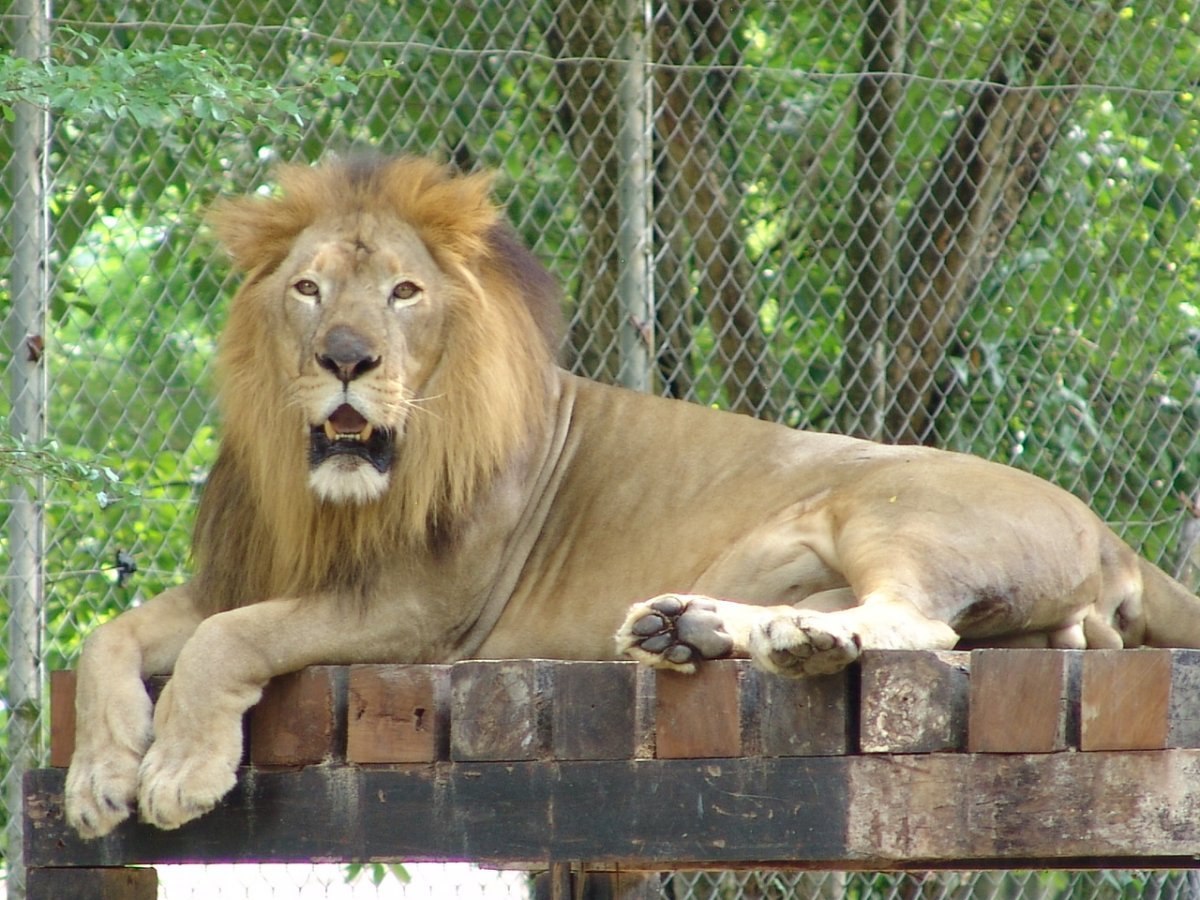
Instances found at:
x=347 y=433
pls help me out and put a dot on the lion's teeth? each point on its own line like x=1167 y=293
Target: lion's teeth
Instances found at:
x=334 y=435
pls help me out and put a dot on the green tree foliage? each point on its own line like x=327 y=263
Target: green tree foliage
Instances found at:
x=1076 y=354
x=1080 y=340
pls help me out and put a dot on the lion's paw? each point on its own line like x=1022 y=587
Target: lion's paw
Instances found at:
x=175 y=788
x=674 y=632
x=192 y=764
x=100 y=793
x=112 y=734
x=803 y=644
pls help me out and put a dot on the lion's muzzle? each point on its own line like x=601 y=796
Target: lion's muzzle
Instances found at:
x=348 y=433
x=347 y=354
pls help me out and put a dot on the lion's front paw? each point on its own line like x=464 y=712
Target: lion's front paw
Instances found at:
x=178 y=786
x=192 y=764
x=100 y=792
x=803 y=644
x=673 y=632
x=112 y=734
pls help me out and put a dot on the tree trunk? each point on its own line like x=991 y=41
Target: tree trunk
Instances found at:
x=984 y=180
x=584 y=38
x=872 y=208
x=705 y=190
x=672 y=297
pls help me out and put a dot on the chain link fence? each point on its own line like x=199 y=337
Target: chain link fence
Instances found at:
x=970 y=224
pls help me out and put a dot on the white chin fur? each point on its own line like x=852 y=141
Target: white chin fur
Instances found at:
x=336 y=482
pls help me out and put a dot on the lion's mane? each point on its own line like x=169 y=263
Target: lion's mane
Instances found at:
x=260 y=531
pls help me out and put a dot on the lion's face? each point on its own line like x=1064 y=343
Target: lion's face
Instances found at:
x=362 y=305
x=388 y=355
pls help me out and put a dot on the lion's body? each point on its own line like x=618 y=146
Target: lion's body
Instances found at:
x=730 y=507
x=405 y=476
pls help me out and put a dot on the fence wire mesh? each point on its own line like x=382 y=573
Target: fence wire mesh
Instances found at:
x=970 y=224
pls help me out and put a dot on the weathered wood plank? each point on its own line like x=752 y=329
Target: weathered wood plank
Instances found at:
x=595 y=710
x=802 y=716
x=62 y=718
x=700 y=716
x=730 y=709
x=398 y=714
x=1023 y=701
x=500 y=709
x=914 y=701
x=514 y=812
x=91 y=884
x=872 y=811
x=1060 y=808
x=300 y=719
x=1146 y=699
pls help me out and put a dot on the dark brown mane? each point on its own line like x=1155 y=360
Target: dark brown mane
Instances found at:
x=538 y=288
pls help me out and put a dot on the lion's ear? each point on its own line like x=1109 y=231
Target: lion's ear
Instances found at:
x=258 y=231
x=250 y=231
x=454 y=213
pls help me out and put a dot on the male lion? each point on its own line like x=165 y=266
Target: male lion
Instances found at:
x=406 y=476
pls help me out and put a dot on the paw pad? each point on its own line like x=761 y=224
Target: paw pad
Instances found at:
x=681 y=631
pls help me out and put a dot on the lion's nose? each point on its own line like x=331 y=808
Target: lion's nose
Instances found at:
x=347 y=354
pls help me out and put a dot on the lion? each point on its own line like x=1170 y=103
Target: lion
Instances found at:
x=406 y=476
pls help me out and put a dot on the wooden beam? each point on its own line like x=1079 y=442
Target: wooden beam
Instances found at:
x=62 y=718
x=500 y=709
x=945 y=810
x=1024 y=701
x=92 y=884
x=601 y=711
x=731 y=709
x=398 y=714
x=701 y=715
x=300 y=719
x=914 y=701
x=1140 y=699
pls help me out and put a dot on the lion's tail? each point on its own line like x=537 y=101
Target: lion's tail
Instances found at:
x=1172 y=612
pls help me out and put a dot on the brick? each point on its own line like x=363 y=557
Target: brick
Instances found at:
x=299 y=719
x=595 y=710
x=700 y=716
x=1023 y=701
x=500 y=710
x=801 y=716
x=1140 y=699
x=398 y=714
x=62 y=718
x=914 y=701
x=92 y=884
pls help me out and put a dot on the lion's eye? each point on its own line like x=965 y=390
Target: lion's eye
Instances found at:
x=405 y=292
x=307 y=288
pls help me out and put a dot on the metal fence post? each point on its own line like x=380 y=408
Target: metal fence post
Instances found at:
x=29 y=238
x=634 y=189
